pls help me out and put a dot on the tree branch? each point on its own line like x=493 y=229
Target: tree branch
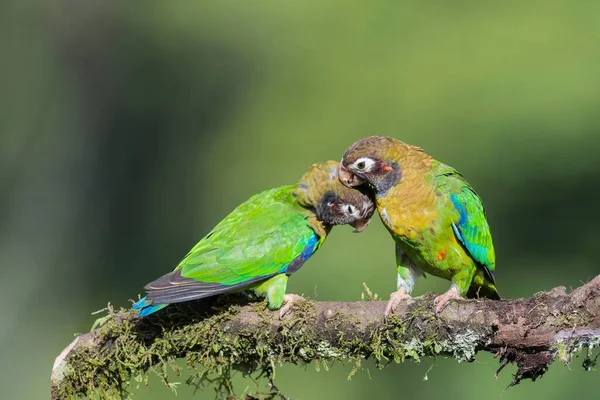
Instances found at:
x=216 y=339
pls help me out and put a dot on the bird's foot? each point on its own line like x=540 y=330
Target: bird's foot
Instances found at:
x=441 y=301
x=395 y=299
x=288 y=302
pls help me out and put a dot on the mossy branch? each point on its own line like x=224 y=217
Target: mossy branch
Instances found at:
x=216 y=339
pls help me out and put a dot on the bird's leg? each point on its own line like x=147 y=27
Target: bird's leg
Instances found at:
x=407 y=273
x=289 y=300
x=273 y=289
x=460 y=286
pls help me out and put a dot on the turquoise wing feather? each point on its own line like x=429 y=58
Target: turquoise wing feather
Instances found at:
x=471 y=227
x=259 y=239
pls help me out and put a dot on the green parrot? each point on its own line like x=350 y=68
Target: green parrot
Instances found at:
x=263 y=241
x=437 y=220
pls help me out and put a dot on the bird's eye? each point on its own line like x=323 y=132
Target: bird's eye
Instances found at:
x=349 y=209
x=363 y=164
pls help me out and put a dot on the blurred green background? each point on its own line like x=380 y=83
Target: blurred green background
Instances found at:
x=129 y=130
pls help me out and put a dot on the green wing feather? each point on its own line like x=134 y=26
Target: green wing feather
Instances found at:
x=257 y=240
x=471 y=226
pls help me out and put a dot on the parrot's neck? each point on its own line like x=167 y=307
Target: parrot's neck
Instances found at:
x=322 y=229
x=307 y=198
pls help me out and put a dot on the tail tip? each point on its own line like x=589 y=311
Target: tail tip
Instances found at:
x=141 y=303
x=145 y=307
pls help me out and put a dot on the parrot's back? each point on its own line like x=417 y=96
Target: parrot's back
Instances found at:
x=268 y=234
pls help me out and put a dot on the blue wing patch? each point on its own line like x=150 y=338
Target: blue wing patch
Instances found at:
x=476 y=239
x=309 y=250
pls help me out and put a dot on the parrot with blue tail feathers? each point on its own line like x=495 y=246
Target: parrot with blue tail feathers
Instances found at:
x=262 y=242
x=435 y=217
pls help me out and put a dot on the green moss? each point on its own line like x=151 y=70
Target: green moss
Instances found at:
x=400 y=340
x=133 y=350
x=573 y=319
x=214 y=351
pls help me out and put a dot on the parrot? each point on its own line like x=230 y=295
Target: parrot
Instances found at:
x=438 y=222
x=262 y=242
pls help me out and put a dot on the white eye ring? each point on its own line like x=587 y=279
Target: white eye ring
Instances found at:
x=351 y=210
x=363 y=164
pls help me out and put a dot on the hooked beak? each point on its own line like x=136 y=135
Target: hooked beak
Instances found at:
x=348 y=178
x=360 y=225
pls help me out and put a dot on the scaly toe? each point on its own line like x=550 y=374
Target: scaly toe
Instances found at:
x=392 y=305
x=442 y=301
x=289 y=300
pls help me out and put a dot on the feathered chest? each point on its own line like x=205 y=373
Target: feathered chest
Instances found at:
x=407 y=210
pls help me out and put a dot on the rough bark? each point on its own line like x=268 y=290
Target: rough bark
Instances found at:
x=218 y=338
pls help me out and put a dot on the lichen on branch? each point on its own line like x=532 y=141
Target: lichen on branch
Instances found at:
x=231 y=334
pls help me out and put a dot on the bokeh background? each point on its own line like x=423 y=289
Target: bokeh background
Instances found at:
x=129 y=130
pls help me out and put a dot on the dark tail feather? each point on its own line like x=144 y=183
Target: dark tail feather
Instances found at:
x=488 y=291
x=174 y=288
x=483 y=285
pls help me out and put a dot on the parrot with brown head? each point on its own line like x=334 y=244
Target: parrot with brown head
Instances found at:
x=262 y=242
x=437 y=220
